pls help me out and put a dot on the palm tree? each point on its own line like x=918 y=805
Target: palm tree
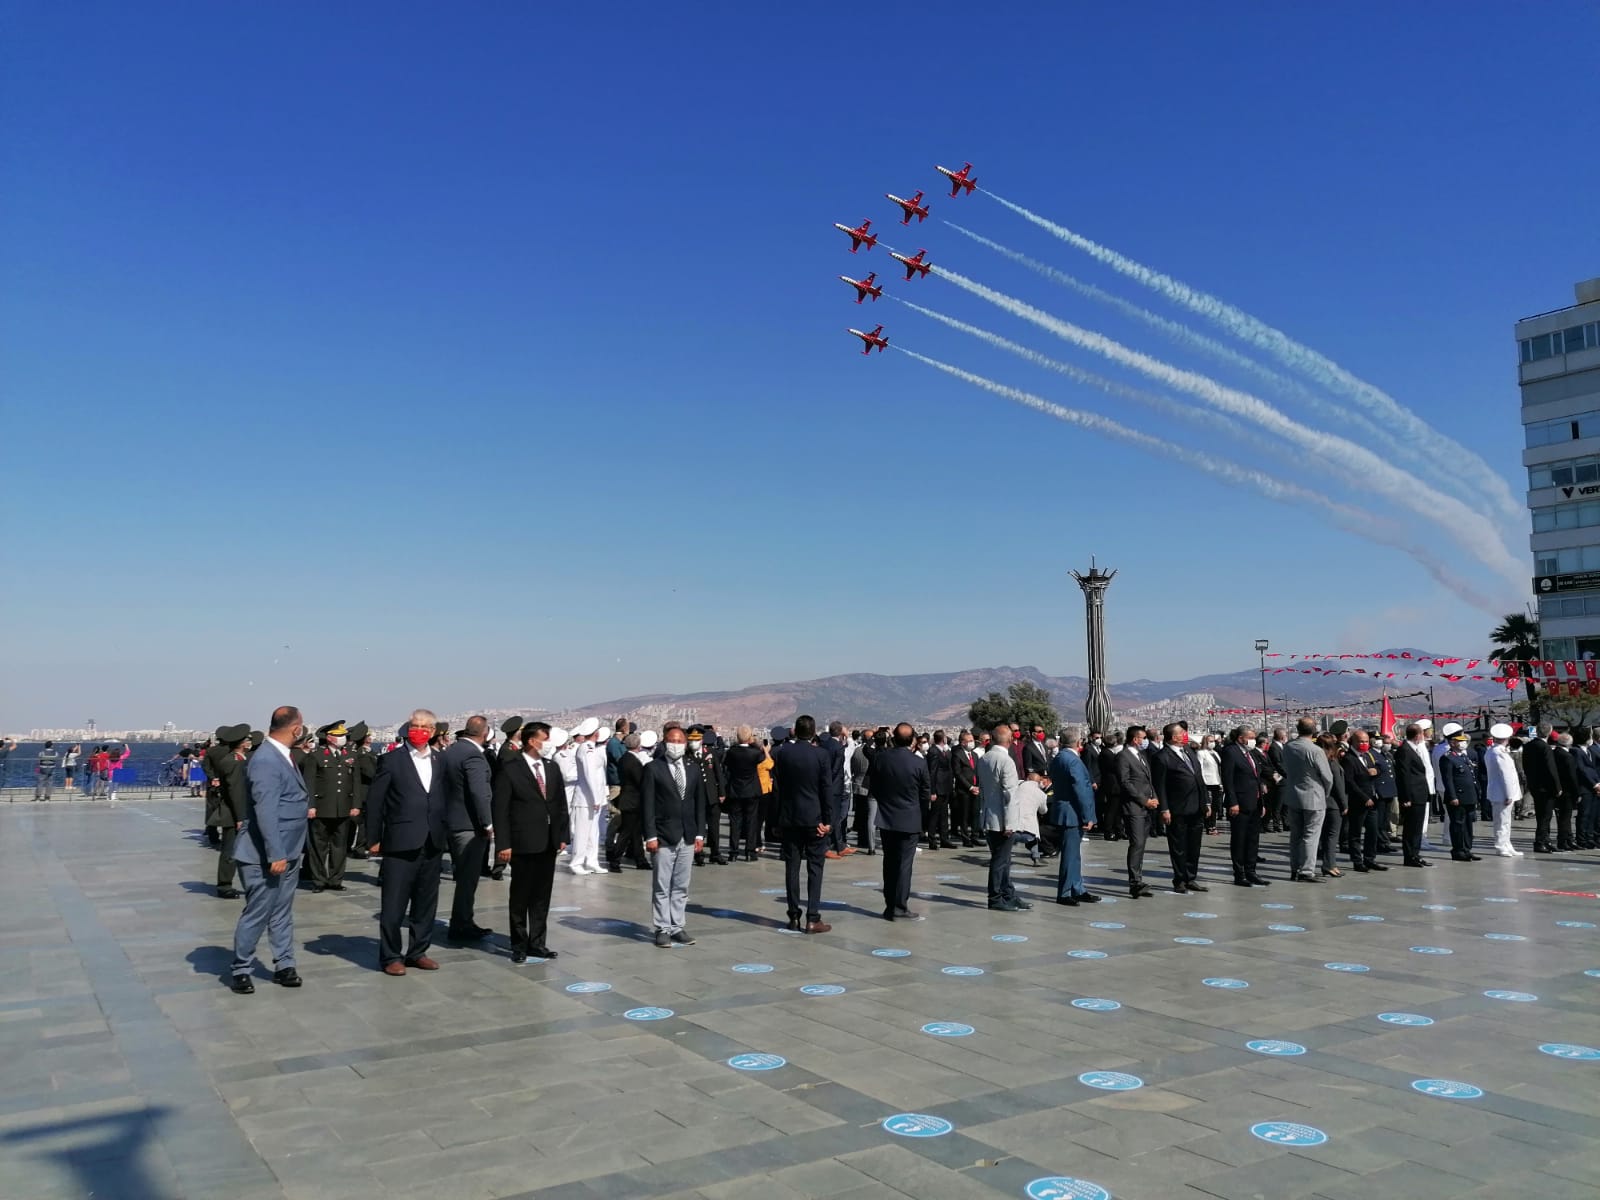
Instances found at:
x=1517 y=638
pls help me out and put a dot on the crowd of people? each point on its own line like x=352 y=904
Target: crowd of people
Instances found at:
x=288 y=805
x=99 y=770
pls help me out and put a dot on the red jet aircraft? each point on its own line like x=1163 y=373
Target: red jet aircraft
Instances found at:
x=959 y=179
x=913 y=207
x=864 y=287
x=858 y=236
x=913 y=264
x=872 y=339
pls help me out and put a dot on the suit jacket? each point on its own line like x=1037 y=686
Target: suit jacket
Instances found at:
x=666 y=816
x=740 y=766
x=1538 y=763
x=1179 y=787
x=275 y=830
x=1588 y=770
x=1109 y=787
x=1307 y=775
x=802 y=779
x=836 y=751
x=964 y=770
x=1035 y=757
x=401 y=814
x=526 y=820
x=1359 y=787
x=233 y=797
x=1133 y=776
x=468 y=804
x=630 y=770
x=1071 y=791
x=940 y=775
x=1566 y=771
x=1241 y=778
x=997 y=776
x=898 y=780
x=1411 y=774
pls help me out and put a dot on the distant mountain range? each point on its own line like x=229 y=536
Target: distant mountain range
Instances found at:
x=942 y=699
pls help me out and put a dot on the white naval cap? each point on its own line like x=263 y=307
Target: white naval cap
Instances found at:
x=587 y=726
x=1450 y=728
x=1423 y=723
x=648 y=739
x=1500 y=732
x=558 y=738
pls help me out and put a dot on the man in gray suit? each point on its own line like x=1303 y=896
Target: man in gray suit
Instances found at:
x=268 y=850
x=1307 y=780
x=468 y=811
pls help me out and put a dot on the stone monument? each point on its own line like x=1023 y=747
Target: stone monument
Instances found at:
x=1094 y=585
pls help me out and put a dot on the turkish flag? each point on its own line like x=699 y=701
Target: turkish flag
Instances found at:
x=1386 y=720
x=1589 y=666
x=1572 y=669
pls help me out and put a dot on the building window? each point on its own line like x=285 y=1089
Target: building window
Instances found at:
x=1563 y=341
x=1566 y=516
x=1564 y=473
x=1560 y=648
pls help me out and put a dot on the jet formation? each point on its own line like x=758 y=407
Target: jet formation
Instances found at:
x=915 y=264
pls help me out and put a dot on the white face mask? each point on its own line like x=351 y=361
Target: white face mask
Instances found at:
x=675 y=750
x=335 y=740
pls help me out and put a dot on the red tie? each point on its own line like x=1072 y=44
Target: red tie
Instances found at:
x=538 y=776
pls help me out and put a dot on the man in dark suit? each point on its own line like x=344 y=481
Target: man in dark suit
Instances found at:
x=1538 y=762
x=365 y=765
x=833 y=743
x=1108 y=799
x=1413 y=777
x=468 y=813
x=406 y=824
x=1139 y=803
x=1071 y=810
x=232 y=804
x=1361 y=775
x=530 y=815
x=1184 y=806
x=674 y=798
x=898 y=780
x=1271 y=804
x=268 y=851
x=1035 y=755
x=802 y=783
x=1242 y=786
x=941 y=779
x=964 y=791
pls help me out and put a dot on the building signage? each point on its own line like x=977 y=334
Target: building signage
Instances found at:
x=1546 y=585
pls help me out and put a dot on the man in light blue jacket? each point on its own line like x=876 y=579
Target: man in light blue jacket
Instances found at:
x=1072 y=810
x=1308 y=780
x=268 y=851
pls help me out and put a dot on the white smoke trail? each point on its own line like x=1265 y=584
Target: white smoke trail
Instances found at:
x=1465 y=526
x=1359 y=521
x=1327 y=373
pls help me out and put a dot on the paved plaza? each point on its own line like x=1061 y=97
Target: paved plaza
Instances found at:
x=1414 y=1034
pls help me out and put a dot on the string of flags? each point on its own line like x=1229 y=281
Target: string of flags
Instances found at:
x=1558 y=677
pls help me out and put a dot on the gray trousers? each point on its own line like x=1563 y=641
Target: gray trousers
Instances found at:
x=1305 y=832
x=670 y=885
x=269 y=907
x=44 y=785
x=467 y=850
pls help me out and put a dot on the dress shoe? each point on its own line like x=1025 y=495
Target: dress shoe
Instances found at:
x=227 y=893
x=1141 y=892
x=870 y=852
x=1412 y=862
x=1022 y=905
x=1197 y=887
x=242 y=985
x=1305 y=877
x=1257 y=881
x=336 y=887
x=888 y=914
x=1377 y=866
x=1087 y=898
x=614 y=868
x=287 y=977
x=1474 y=858
x=1003 y=906
x=422 y=963
x=358 y=854
x=794 y=925
x=905 y=914
x=1454 y=857
x=1070 y=901
x=394 y=968
x=318 y=888
x=1538 y=849
x=542 y=952
x=1241 y=883
x=1181 y=888
x=818 y=927
x=948 y=846
x=481 y=931
x=682 y=938
x=642 y=867
x=663 y=939
x=497 y=874
x=719 y=861
x=1361 y=867
x=519 y=957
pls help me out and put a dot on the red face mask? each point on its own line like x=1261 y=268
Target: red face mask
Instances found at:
x=419 y=737
x=1363 y=747
x=1038 y=737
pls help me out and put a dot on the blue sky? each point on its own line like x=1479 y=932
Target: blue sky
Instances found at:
x=494 y=354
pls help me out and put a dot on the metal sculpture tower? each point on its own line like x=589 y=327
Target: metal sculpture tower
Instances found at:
x=1094 y=585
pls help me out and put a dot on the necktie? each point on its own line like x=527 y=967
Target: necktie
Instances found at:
x=677 y=777
x=538 y=776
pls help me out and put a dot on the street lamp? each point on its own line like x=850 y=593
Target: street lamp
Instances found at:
x=1261 y=649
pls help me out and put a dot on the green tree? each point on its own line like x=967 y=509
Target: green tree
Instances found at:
x=1025 y=704
x=1517 y=638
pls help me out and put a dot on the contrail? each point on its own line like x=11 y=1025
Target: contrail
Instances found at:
x=1466 y=526
x=1302 y=358
x=1355 y=520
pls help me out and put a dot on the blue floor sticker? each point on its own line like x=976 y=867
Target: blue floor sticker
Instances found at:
x=1226 y=984
x=963 y=971
x=1438 y=908
x=753 y=968
x=1106 y=925
x=948 y=1029
x=1009 y=937
x=1094 y=1004
x=1365 y=917
x=1201 y=916
x=1288 y=1133
x=822 y=989
x=1275 y=1046
x=1447 y=1089
x=1499 y=899
x=757 y=1062
x=1575 y=924
x=1102 y=954
x=1505 y=937
x=588 y=989
x=891 y=954
x=1111 y=1081
x=1193 y=941
x=1065 y=1187
x=1287 y=928
x=1518 y=997
x=1279 y=907
x=1348 y=968
x=1431 y=950
x=1348 y=896
x=1570 y=1051
x=917 y=1125
x=1414 y=1020
x=648 y=1014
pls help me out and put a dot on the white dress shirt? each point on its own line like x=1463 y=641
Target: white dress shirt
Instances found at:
x=423 y=761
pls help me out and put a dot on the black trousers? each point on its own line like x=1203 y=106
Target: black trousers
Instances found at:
x=964 y=816
x=1184 y=836
x=330 y=844
x=1214 y=792
x=468 y=851
x=1564 y=810
x=531 y=878
x=771 y=831
x=714 y=829
x=625 y=835
x=742 y=826
x=1366 y=826
x=1544 y=806
x=804 y=844
x=225 y=866
x=1271 y=814
x=937 y=820
x=409 y=883
x=899 y=854
x=1411 y=820
x=1136 y=826
x=1244 y=841
x=1000 y=888
x=1461 y=828
x=358 y=831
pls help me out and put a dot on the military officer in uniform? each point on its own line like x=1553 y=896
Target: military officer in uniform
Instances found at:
x=364 y=763
x=232 y=805
x=330 y=776
x=211 y=764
